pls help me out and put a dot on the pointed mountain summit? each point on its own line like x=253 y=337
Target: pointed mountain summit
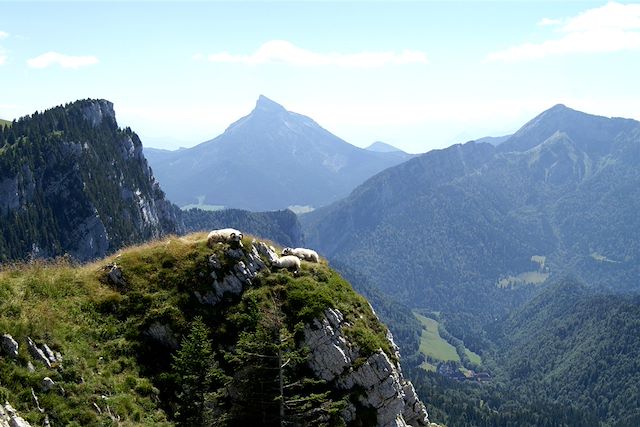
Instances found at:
x=265 y=104
x=270 y=159
x=593 y=133
x=382 y=147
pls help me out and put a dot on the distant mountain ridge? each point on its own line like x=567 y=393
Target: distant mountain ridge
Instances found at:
x=72 y=181
x=279 y=159
x=562 y=191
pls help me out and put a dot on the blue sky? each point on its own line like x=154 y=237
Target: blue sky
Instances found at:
x=418 y=75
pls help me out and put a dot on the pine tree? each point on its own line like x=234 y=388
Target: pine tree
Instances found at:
x=197 y=373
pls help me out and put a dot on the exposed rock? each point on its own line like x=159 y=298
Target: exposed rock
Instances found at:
x=414 y=412
x=214 y=262
x=163 y=334
x=9 y=346
x=30 y=367
x=97 y=111
x=234 y=281
x=331 y=353
x=47 y=384
x=384 y=387
x=115 y=275
x=348 y=414
x=236 y=254
x=90 y=238
x=266 y=251
x=37 y=353
x=9 y=195
x=9 y=417
x=254 y=262
x=51 y=355
x=36 y=400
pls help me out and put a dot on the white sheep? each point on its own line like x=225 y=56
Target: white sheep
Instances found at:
x=224 y=235
x=289 y=262
x=302 y=253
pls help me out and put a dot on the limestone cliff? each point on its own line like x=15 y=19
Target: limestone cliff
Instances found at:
x=72 y=181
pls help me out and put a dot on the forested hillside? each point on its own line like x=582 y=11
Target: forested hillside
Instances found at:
x=466 y=228
x=282 y=227
x=72 y=181
x=575 y=347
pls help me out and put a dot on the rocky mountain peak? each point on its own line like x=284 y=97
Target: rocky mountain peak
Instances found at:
x=382 y=147
x=266 y=105
x=98 y=110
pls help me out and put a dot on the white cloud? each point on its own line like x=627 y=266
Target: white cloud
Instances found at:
x=3 y=56
x=3 y=35
x=280 y=51
x=610 y=28
x=546 y=22
x=65 y=61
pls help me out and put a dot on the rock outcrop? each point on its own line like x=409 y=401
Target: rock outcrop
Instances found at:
x=9 y=417
x=333 y=358
x=232 y=281
x=9 y=346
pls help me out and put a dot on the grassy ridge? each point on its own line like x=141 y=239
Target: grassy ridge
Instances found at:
x=5 y=122
x=110 y=361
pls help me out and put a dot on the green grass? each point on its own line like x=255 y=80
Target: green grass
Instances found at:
x=522 y=279
x=5 y=122
x=428 y=366
x=473 y=357
x=100 y=328
x=432 y=344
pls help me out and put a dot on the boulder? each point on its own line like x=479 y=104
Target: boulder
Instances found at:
x=9 y=346
x=47 y=384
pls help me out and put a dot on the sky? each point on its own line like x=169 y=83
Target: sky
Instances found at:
x=418 y=75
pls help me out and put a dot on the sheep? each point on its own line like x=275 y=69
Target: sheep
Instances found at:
x=302 y=253
x=224 y=235
x=289 y=262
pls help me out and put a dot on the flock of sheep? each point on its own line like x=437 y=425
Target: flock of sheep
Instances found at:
x=290 y=258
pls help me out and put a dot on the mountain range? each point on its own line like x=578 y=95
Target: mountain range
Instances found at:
x=522 y=249
x=474 y=234
x=558 y=196
x=270 y=159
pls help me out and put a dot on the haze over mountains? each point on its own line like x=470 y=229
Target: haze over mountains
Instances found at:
x=270 y=159
x=560 y=195
x=479 y=236
x=471 y=233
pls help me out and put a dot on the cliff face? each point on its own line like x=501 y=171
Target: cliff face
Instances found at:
x=176 y=332
x=72 y=182
x=332 y=358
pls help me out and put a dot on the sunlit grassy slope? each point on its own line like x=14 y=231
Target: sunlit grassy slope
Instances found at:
x=112 y=372
x=436 y=348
